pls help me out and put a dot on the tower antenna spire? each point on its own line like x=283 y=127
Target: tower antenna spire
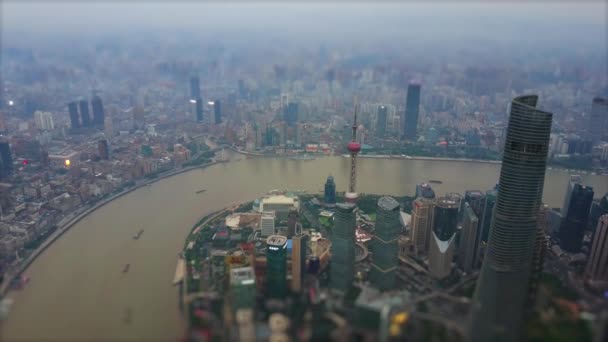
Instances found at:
x=354 y=148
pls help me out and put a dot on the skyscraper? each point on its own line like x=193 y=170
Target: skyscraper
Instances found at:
x=195 y=88
x=598 y=120
x=442 y=241
x=276 y=266
x=468 y=244
x=217 y=110
x=99 y=116
x=291 y=114
x=598 y=208
x=597 y=264
x=574 y=179
x=502 y=288
x=330 y=191
x=6 y=168
x=574 y=223
x=384 y=244
x=84 y=113
x=298 y=261
x=412 y=108
x=73 y=110
x=342 y=269
x=267 y=223
x=476 y=200
x=198 y=106
x=422 y=215
x=381 y=121
x=424 y=190
x=488 y=211
x=292 y=221
x=44 y=121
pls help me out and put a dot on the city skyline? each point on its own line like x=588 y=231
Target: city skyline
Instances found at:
x=262 y=171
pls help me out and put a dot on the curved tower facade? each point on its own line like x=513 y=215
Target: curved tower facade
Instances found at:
x=342 y=269
x=442 y=244
x=500 y=295
x=384 y=245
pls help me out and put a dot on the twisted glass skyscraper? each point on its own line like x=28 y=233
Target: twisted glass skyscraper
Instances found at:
x=503 y=282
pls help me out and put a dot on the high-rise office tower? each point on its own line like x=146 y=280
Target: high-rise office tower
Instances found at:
x=598 y=208
x=597 y=264
x=422 y=215
x=103 y=150
x=384 y=244
x=488 y=211
x=99 y=116
x=468 y=244
x=6 y=168
x=574 y=179
x=538 y=258
x=381 y=121
x=85 y=117
x=44 y=121
x=598 y=120
x=476 y=200
x=198 y=107
x=267 y=223
x=195 y=88
x=73 y=110
x=442 y=242
x=276 y=266
x=574 y=223
x=412 y=108
x=292 y=221
x=298 y=261
x=242 y=288
x=424 y=190
x=217 y=110
x=500 y=295
x=342 y=269
x=291 y=114
x=330 y=191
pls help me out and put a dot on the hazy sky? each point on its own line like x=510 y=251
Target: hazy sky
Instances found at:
x=551 y=22
x=54 y=15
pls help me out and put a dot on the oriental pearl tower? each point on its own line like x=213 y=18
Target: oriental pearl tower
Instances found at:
x=353 y=147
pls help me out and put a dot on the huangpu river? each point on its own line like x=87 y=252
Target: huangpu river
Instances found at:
x=78 y=290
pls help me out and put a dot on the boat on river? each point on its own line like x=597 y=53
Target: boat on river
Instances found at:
x=128 y=316
x=201 y=191
x=434 y=181
x=5 y=307
x=126 y=269
x=136 y=236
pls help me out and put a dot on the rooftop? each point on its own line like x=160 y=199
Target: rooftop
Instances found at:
x=276 y=240
x=388 y=203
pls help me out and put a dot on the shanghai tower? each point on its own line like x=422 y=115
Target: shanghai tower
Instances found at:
x=498 y=304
